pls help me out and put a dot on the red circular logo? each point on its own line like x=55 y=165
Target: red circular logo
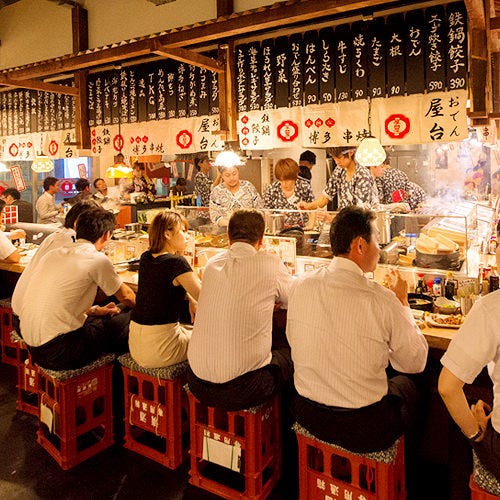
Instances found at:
x=184 y=139
x=53 y=147
x=66 y=186
x=118 y=142
x=288 y=131
x=397 y=126
x=13 y=149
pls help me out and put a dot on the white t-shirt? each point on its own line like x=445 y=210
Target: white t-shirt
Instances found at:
x=232 y=333
x=59 y=238
x=476 y=345
x=62 y=287
x=344 y=330
x=112 y=200
x=6 y=246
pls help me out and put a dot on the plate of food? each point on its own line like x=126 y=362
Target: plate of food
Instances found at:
x=445 y=320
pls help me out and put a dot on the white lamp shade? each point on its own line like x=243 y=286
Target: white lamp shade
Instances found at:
x=42 y=163
x=228 y=159
x=370 y=153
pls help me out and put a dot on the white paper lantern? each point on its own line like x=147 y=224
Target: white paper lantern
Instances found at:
x=42 y=163
x=370 y=152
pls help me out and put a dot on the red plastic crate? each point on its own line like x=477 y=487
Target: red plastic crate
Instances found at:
x=254 y=432
x=27 y=379
x=76 y=417
x=156 y=412
x=10 y=351
x=327 y=471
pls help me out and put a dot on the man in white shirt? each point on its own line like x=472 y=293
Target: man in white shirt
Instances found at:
x=108 y=197
x=65 y=235
x=58 y=321
x=344 y=330
x=46 y=207
x=230 y=352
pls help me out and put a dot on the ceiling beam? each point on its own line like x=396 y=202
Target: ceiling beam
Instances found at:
x=39 y=85
x=189 y=57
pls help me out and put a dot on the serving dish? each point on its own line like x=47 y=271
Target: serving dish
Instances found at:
x=444 y=320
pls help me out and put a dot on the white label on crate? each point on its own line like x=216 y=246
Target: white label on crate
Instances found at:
x=218 y=452
x=46 y=416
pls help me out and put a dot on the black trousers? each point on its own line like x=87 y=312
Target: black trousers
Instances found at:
x=488 y=451
x=248 y=390
x=72 y=350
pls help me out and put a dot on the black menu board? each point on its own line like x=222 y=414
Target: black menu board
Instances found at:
x=27 y=111
x=415 y=52
x=456 y=60
x=10 y=120
x=214 y=93
x=435 y=43
x=52 y=111
x=326 y=59
x=193 y=84
x=376 y=58
x=151 y=90
x=34 y=111
x=60 y=111
x=21 y=112
x=267 y=74
x=343 y=64
x=281 y=68
x=115 y=97
x=128 y=95
x=182 y=90
x=395 y=30
x=310 y=57
x=161 y=93
x=91 y=100
x=142 y=98
x=98 y=100
x=203 y=91
x=171 y=87
x=359 y=73
x=3 y=113
x=15 y=112
x=296 y=70
x=69 y=111
x=106 y=98
x=242 y=70
x=253 y=57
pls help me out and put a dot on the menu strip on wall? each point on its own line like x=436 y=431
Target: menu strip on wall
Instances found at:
x=281 y=67
x=326 y=59
x=310 y=56
x=456 y=56
x=242 y=76
x=435 y=43
x=268 y=74
x=296 y=70
x=343 y=64
x=395 y=30
x=359 y=73
x=415 y=52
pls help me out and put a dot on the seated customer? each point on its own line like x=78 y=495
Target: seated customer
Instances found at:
x=156 y=337
x=474 y=346
x=344 y=331
x=12 y=196
x=232 y=364
x=61 y=327
x=8 y=252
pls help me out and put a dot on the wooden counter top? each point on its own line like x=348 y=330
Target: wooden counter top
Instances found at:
x=13 y=268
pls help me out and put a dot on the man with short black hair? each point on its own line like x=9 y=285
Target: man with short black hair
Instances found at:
x=46 y=207
x=82 y=185
x=58 y=321
x=307 y=160
x=12 y=196
x=232 y=363
x=344 y=330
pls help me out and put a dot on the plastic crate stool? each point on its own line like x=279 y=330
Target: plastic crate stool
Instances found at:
x=329 y=471
x=483 y=484
x=27 y=379
x=76 y=415
x=10 y=349
x=235 y=454
x=156 y=411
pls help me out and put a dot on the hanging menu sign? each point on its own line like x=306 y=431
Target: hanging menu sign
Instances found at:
x=69 y=112
x=128 y=95
x=91 y=101
x=254 y=76
x=435 y=42
x=376 y=59
x=27 y=111
x=171 y=86
x=214 y=93
x=395 y=55
x=281 y=66
x=203 y=91
x=267 y=74
x=326 y=60
x=310 y=57
x=46 y=111
x=151 y=83
x=359 y=76
x=52 y=111
x=3 y=113
x=343 y=64
x=114 y=87
x=161 y=102
x=241 y=78
x=414 y=52
x=182 y=90
x=60 y=111
x=456 y=60
x=142 y=100
x=98 y=100
x=193 y=83
x=15 y=112
x=21 y=127
x=296 y=71
x=106 y=98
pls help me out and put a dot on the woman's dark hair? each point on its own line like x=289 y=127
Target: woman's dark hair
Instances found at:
x=246 y=225
x=163 y=222
x=200 y=159
x=350 y=223
x=93 y=223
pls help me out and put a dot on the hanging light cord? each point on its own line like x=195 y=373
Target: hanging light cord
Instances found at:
x=369 y=116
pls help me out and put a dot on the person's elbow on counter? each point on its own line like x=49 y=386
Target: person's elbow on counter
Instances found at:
x=14 y=257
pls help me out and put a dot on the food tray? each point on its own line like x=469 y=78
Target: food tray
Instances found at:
x=433 y=319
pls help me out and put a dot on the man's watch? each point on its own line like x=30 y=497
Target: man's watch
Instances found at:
x=93 y=310
x=477 y=435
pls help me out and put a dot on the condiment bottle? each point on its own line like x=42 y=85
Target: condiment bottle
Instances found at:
x=494 y=279
x=436 y=287
x=420 y=287
x=450 y=286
